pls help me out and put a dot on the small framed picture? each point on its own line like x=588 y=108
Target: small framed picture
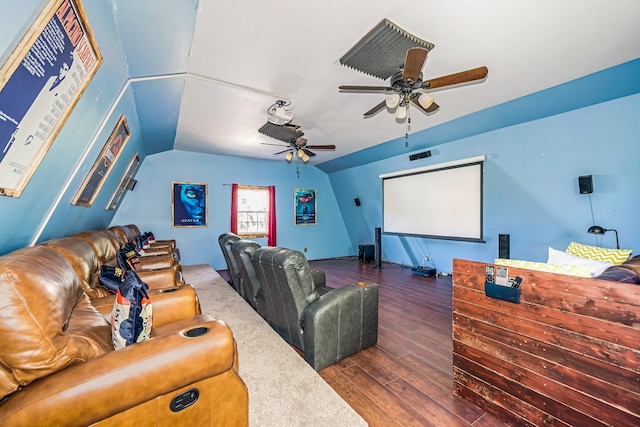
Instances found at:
x=102 y=166
x=304 y=201
x=189 y=204
x=126 y=183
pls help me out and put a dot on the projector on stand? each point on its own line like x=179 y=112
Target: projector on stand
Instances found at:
x=423 y=270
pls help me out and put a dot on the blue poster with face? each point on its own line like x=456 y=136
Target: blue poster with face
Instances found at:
x=189 y=204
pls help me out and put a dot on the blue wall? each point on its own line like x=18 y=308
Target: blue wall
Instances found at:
x=530 y=186
x=53 y=184
x=534 y=149
x=149 y=204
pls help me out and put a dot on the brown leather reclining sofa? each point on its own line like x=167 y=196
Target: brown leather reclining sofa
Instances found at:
x=57 y=362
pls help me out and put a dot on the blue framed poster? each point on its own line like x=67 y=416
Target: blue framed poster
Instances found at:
x=189 y=204
x=40 y=83
x=304 y=206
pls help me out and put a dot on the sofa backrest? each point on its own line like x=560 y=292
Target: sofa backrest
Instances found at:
x=242 y=251
x=285 y=278
x=124 y=233
x=84 y=260
x=225 y=240
x=104 y=244
x=43 y=311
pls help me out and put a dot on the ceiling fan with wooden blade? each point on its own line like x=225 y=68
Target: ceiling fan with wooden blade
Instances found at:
x=292 y=138
x=407 y=84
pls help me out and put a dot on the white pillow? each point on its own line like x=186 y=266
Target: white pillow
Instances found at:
x=563 y=258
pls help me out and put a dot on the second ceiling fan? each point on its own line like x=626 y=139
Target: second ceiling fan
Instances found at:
x=292 y=138
x=407 y=85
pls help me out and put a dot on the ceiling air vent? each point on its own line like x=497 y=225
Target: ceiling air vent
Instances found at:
x=382 y=51
x=286 y=133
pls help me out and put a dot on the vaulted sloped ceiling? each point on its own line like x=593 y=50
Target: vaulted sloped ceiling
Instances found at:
x=204 y=72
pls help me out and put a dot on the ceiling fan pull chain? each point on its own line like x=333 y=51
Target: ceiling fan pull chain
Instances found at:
x=406 y=134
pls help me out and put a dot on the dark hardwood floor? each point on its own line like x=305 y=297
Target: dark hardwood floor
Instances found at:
x=406 y=379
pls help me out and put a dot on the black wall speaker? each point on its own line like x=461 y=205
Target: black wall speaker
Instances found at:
x=504 y=247
x=357 y=201
x=422 y=155
x=378 y=262
x=586 y=184
x=131 y=184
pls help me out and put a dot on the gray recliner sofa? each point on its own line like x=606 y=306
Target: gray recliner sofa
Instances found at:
x=326 y=324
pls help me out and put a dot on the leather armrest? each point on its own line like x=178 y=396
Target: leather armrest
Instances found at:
x=153 y=262
x=160 y=278
x=319 y=279
x=166 y=242
x=340 y=323
x=121 y=379
x=158 y=250
x=169 y=304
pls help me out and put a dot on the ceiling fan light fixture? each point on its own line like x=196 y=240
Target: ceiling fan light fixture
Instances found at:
x=425 y=101
x=401 y=113
x=301 y=153
x=305 y=158
x=289 y=156
x=393 y=100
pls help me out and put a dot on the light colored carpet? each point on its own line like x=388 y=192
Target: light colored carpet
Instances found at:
x=283 y=389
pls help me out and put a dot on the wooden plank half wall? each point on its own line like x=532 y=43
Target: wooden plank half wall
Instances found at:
x=568 y=354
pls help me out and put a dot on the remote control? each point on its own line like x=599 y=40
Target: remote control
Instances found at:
x=502 y=276
x=489 y=274
x=516 y=281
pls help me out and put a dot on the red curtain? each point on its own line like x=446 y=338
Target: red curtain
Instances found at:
x=271 y=226
x=234 y=208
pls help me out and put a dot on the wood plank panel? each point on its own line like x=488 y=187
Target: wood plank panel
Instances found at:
x=568 y=353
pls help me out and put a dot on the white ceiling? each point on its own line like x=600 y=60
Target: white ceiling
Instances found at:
x=246 y=54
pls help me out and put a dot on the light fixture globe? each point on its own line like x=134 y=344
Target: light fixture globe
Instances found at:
x=301 y=153
x=401 y=112
x=392 y=100
x=289 y=156
x=425 y=101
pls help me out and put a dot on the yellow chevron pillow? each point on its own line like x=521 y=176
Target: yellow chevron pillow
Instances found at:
x=614 y=256
x=569 y=270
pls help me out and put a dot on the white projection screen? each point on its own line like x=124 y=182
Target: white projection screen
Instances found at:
x=441 y=201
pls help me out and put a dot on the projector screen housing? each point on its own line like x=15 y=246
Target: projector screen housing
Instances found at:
x=441 y=201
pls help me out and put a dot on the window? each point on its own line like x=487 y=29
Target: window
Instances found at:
x=253 y=211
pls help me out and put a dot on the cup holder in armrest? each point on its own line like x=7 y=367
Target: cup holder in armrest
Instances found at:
x=168 y=291
x=196 y=332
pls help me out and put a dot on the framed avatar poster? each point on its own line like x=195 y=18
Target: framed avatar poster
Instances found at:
x=189 y=204
x=304 y=206
x=104 y=163
x=40 y=83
